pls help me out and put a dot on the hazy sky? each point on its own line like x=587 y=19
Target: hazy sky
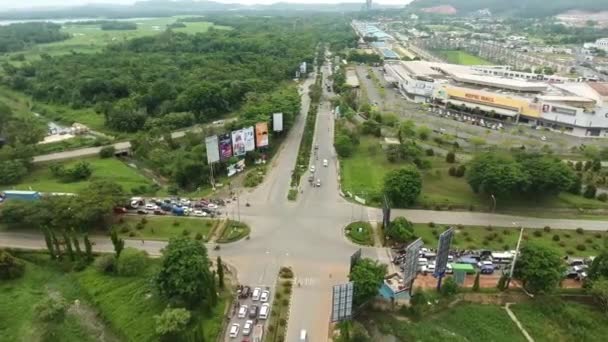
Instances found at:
x=7 y=4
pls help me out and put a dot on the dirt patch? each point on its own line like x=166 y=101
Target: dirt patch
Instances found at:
x=88 y=318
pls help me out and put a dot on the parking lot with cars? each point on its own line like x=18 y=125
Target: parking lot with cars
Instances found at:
x=174 y=206
x=249 y=313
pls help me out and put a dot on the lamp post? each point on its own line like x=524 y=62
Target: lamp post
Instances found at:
x=521 y=233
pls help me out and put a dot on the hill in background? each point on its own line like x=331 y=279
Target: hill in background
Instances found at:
x=524 y=8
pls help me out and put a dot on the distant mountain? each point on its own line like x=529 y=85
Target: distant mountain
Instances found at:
x=526 y=8
x=164 y=8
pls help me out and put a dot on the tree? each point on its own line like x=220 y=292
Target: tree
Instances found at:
x=546 y=174
x=539 y=268
x=10 y=267
x=50 y=312
x=599 y=266
x=68 y=245
x=76 y=244
x=400 y=230
x=96 y=203
x=450 y=157
x=367 y=276
x=590 y=191
x=88 y=247
x=118 y=243
x=407 y=129
x=131 y=262
x=220 y=272
x=343 y=145
x=476 y=283
x=6 y=114
x=49 y=242
x=171 y=323
x=107 y=152
x=184 y=272
x=449 y=287
x=424 y=132
x=599 y=290
x=491 y=173
x=403 y=186
x=12 y=171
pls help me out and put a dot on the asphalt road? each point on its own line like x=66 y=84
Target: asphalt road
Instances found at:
x=307 y=234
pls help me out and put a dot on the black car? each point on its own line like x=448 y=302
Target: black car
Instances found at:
x=253 y=311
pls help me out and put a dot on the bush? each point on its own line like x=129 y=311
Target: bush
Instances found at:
x=131 y=262
x=432 y=224
x=597 y=235
x=105 y=263
x=590 y=191
x=450 y=157
x=452 y=171
x=175 y=223
x=506 y=232
x=449 y=287
x=198 y=236
x=547 y=229
x=555 y=237
x=580 y=231
x=10 y=267
x=107 y=152
x=286 y=272
x=430 y=152
x=460 y=170
x=567 y=236
x=588 y=240
x=602 y=197
x=537 y=233
x=185 y=232
x=562 y=244
x=581 y=247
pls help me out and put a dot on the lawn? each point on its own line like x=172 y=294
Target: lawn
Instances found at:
x=234 y=231
x=552 y=320
x=19 y=296
x=462 y=57
x=41 y=179
x=360 y=233
x=464 y=322
x=585 y=243
x=165 y=227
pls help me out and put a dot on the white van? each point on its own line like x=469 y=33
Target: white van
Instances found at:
x=264 y=311
x=303 y=336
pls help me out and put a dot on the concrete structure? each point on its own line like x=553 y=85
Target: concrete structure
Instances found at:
x=602 y=44
x=554 y=102
x=393 y=288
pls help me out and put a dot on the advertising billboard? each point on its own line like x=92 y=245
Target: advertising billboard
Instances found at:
x=261 y=134
x=443 y=251
x=411 y=262
x=342 y=302
x=238 y=143
x=213 y=152
x=225 y=143
x=277 y=122
x=249 y=138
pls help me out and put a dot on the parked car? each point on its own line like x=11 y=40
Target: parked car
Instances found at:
x=264 y=297
x=312 y=168
x=199 y=213
x=234 y=330
x=150 y=206
x=264 y=311
x=318 y=183
x=120 y=210
x=256 y=294
x=141 y=212
x=325 y=162
x=245 y=292
x=247 y=327
x=242 y=311
x=253 y=311
x=159 y=212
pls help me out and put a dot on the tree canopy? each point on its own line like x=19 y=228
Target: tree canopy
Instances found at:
x=367 y=276
x=400 y=230
x=15 y=37
x=540 y=268
x=403 y=186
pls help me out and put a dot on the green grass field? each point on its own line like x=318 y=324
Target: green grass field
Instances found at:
x=41 y=179
x=364 y=237
x=462 y=57
x=90 y=38
x=505 y=238
x=464 y=322
x=551 y=320
x=165 y=227
x=234 y=231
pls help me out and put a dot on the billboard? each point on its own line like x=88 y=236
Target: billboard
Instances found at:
x=342 y=302
x=303 y=68
x=225 y=143
x=249 y=138
x=354 y=259
x=411 y=262
x=386 y=214
x=238 y=142
x=277 y=122
x=443 y=251
x=213 y=153
x=261 y=134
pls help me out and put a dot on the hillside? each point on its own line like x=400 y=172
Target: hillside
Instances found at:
x=526 y=8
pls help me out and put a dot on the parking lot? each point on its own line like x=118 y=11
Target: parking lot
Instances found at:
x=249 y=313
x=174 y=206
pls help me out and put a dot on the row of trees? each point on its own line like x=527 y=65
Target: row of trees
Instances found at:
x=19 y=36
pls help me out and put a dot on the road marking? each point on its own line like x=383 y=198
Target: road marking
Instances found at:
x=307 y=281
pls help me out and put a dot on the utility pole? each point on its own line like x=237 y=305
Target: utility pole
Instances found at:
x=521 y=233
x=238 y=206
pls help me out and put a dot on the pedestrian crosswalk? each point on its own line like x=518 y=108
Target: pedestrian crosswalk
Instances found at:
x=307 y=281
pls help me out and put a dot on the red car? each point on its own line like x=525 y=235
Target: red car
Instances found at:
x=120 y=210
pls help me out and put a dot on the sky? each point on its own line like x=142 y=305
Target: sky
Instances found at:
x=7 y=4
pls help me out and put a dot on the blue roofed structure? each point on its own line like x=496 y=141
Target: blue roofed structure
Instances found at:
x=389 y=54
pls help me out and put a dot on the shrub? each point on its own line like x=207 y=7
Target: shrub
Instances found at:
x=107 y=152
x=506 y=232
x=185 y=232
x=139 y=226
x=567 y=236
x=597 y=235
x=285 y=302
x=10 y=267
x=131 y=262
x=449 y=287
x=432 y=224
x=450 y=157
x=579 y=230
x=590 y=191
x=555 y=237
x=537 y=233
x=460 y=170
x=282 y=322
x=459 y=226
x=489 y=228
x=175 y=223
x=198 y=236
x=430 y=152
x=452 y=171
x=505 y=247
x=569 y=252
x=105 y=263
x=547 y=229
x=465 y=233
x=286 y=272
x=602 y=197
x=124 y=229
x=581 y=247
x=562 y=244
x=132 y=234
x=468 y=239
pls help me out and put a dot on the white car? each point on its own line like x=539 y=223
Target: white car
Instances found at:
x=242 y=311
x=543 y=138
x=312 y=168
x=256 y=294
x=212 y=206
x=264 y=296
x=234 y=330
x=264 y=311
x=199 y=213
x=325 y=162
x=247 y=327
x=150 y=206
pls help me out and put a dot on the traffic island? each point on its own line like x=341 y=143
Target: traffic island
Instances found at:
x=279 y=315
x=233 y=231
x=360 y=232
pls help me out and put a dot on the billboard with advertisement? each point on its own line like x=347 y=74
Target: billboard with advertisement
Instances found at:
x=516 y=104
x=238 y=142
x=225 y=144
x=261 y=134
x=443 y=251
x=277 y=122
x=249 y=138
x=411 y=262
x=213 y=152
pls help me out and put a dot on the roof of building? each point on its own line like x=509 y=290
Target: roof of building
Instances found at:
x=388 y=53
x=420 y=68
x=351 y=78
x=600 y=87
x=565 y=98
x=500 y=82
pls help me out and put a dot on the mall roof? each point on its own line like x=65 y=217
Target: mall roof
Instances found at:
x=565 y=98
x=420 y=68
x=500 y=82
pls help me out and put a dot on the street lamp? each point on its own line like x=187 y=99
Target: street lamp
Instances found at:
x=494 y=203
x=521 y=233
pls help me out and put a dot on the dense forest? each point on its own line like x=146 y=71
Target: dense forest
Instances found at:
x=17 y=37
x=207 y=74
x=522 y=8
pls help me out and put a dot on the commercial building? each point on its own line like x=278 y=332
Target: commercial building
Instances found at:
x=559 y=103
x=602 y=44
